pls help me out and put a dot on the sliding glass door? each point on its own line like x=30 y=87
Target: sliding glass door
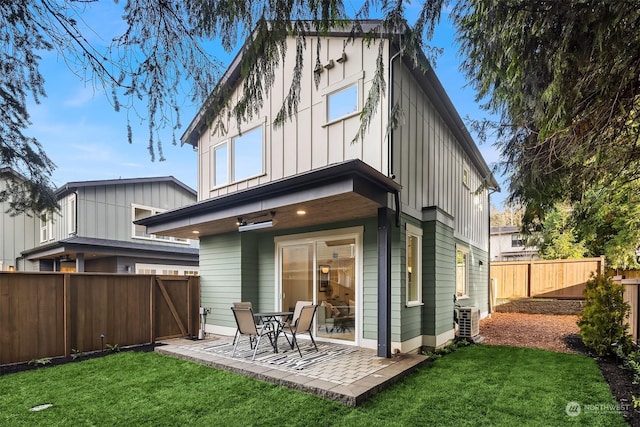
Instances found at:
x=324 y=271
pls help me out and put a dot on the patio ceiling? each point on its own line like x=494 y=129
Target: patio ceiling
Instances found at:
x=345 y=191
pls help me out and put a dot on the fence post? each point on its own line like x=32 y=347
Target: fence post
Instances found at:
x=602 y=265
x=66 y=312
x=152 y=326
x=529 y=271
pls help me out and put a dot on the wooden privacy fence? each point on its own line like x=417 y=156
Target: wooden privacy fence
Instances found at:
x=564 y=278
x=49 y=314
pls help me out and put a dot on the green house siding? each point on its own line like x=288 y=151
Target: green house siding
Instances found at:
x=220 y=278
x=438 y=285
x=411 y=317
x=370 y=280
x=478 y=293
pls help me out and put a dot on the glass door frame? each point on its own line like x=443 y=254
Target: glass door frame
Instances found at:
x=312 y=238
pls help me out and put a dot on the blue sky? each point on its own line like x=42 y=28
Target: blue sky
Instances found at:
x=87 y=139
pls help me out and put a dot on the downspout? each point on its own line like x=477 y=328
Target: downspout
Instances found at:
x=389 y=109
x=490 y=192
x=390 y=134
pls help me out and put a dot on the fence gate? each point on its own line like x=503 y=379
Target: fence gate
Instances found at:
x=175 y=306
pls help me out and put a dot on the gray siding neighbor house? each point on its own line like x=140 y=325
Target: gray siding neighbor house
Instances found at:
x=17 y=232
x=94 y=231
x=380 y=233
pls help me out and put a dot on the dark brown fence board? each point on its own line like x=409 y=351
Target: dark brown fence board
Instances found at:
x=49 y=314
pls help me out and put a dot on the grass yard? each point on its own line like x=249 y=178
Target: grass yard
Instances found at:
x=477 y=385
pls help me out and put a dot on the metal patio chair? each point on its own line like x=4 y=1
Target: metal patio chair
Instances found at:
x=303 y=324
x=294 y=318
x=247 y=326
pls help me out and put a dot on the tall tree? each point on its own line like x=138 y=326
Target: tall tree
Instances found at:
x=558 y=237
x=564 y=78
x=161 y=47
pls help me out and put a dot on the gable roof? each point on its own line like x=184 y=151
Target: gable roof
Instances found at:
x=70 y=187
x=427 y=80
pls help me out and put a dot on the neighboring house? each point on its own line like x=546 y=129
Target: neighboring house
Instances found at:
x=373 y=231
x=17 y=232
x=94 y=232
x=507 y=244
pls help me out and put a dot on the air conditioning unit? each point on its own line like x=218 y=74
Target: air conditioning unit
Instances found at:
x=469 y=322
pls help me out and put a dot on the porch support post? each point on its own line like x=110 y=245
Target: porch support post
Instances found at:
x=384 y=282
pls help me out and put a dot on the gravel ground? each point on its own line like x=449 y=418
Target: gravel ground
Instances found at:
x=546 y=332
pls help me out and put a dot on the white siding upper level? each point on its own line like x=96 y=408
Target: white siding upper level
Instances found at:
x=321 y=133
x=436 y=163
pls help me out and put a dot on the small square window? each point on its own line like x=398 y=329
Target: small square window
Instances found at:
x=342 y=103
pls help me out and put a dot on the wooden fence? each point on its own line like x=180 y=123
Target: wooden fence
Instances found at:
x=543 y=279
x=50 y=314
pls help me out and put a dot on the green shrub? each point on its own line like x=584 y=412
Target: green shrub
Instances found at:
x=603 y=323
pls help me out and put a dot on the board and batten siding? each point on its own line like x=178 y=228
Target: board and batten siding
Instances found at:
x=429 y=164
x=306 y=141
x=104 y=212
x=17 y=233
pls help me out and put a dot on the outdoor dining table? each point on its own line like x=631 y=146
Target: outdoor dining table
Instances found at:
x=275 y=319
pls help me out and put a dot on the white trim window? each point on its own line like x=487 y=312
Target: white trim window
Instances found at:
x=414 y=265
x=462 y=271
x=140 y=231
x=343 y=99
x=342 y=103
x=239 y=158
x=72 y=215
x=46 y=227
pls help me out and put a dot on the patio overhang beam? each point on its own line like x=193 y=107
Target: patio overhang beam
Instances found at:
x=348 y=190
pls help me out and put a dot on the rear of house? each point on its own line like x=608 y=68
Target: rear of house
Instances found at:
x=379 y=232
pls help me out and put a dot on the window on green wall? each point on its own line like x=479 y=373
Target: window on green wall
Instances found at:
x=414 y=265
x=462 y=271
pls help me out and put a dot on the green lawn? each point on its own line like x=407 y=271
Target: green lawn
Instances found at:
x=477 y=385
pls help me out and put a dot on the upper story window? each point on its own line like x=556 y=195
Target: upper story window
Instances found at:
x=517 y=240
x=343 y=98
x=46 y=227
x=239 y=158
x=140 y=231
x=72 y=214
x=342 y=102
x=414 y=265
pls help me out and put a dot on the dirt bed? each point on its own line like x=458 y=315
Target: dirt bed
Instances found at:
x=546 y=332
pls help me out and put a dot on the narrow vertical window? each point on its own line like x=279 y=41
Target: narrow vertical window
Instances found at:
x=221 y=165
x=44 y=233
x=414 y=265
x=462 y=271
x=72 y=215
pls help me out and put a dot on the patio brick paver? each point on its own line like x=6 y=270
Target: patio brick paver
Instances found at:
x=342 y=373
